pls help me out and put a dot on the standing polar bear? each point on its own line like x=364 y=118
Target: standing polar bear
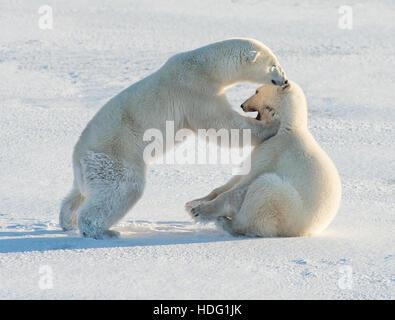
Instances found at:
x=293 y=188
x=109 y=169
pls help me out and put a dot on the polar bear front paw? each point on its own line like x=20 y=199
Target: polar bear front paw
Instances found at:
x=270 y=120
x=268 y=116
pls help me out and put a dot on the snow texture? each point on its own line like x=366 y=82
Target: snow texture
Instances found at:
x=53 y=81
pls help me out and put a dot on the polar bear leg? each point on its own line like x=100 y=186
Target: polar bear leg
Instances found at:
x=67 y=217
x=226 y=204
x=113 y=186
x=213 y=194
x=269 y=209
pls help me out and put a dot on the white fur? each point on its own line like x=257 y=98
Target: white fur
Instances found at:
x=293 y=188
x=189 y=89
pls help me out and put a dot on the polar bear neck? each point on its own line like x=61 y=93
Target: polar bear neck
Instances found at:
x=223 y=67
x=223 y=63
x=292 y=109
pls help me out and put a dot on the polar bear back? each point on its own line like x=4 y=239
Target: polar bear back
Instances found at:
x=310 y=171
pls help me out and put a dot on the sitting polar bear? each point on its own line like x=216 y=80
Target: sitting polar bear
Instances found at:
x=109 y=169
x=293 y=188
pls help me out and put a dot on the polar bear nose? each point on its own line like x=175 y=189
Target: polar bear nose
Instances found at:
x=279 y=83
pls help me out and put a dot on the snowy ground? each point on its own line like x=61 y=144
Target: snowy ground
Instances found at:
x=53 y=81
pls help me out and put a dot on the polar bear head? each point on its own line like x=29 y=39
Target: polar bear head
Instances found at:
x=260 y=65
x=287 y=101
x=236 y=60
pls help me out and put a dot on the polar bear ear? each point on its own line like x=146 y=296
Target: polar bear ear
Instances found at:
x=252 y=56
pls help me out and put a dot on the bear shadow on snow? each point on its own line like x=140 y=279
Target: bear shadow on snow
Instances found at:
x=140 y=233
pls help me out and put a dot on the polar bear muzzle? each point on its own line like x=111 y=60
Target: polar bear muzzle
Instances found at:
x=279 y=77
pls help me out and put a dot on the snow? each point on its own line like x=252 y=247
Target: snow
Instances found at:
x=53 y=81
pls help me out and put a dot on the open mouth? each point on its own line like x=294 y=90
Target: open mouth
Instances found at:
x=258 y=116
x=263 y=113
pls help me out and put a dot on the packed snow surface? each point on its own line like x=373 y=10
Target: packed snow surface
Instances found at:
x=53 y=81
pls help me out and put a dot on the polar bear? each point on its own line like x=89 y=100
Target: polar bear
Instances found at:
x=189 y=89
x=293 y=188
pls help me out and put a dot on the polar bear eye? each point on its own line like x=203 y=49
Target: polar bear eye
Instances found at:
x=256 y=92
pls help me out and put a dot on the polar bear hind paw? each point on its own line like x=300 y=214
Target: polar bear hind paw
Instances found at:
x=107 y=234
x=226 y=224
x=190 y=204
x=203 y=212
